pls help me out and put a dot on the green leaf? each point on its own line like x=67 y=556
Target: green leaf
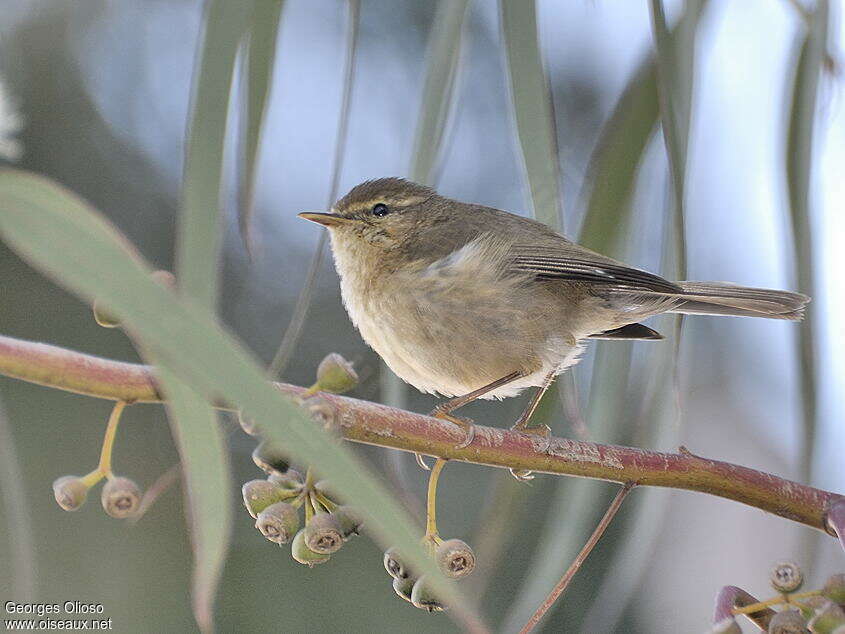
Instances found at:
x=532 y=105
x=259 y=60
x=444 y=52
x=22 y=564
x=62 y=236
x=812 y=48
x=615 y=161
x=198 y=241
x=205 y=465
x=286 y=348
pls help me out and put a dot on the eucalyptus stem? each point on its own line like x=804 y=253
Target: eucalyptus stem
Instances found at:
x=374 y=424
x=431 y=533
x=104 y=465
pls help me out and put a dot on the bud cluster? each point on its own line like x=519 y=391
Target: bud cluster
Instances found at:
x=454 y=558
x=275 y=504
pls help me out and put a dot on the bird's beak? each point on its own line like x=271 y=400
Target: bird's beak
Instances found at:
x=327 y=220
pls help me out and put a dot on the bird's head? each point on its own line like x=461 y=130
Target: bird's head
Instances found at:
x=379 y=213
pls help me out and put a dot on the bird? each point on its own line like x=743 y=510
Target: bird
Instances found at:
x=471 y=302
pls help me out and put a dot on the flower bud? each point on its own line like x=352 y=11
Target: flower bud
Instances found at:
x=278 y=522
x=394 y=566
x=455 y=558
x=120 y=497
x=827 y=619
x=270 y=458
x=304 y=555
x=834 y=589
x=103 y=317
x=404 y=587
x=348 y=520
x=70 y=492
x=787 y=622
x=423 y=598
x=259 y=494
x=786 y=576
x=323 y=534
x=726 y=626
x=335 y=374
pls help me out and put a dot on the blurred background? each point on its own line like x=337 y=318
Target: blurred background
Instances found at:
x=103 y=88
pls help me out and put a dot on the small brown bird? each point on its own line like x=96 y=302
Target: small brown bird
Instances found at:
x=472 y=302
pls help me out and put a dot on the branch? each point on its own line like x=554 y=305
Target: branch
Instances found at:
x=374 y=424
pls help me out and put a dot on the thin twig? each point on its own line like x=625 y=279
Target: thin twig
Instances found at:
x=162 y=484
x=579 y=559
x=303 y=302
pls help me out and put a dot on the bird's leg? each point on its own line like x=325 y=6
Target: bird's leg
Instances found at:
x=444 y=411
x=521 y=424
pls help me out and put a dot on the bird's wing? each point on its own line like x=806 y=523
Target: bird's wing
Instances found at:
x=569 y=261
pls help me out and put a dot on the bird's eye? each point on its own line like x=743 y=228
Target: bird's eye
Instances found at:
x=380 y=210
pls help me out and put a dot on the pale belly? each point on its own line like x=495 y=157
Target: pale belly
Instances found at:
x=452 y=349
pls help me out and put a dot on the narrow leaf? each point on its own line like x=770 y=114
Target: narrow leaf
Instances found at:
x=532 y=106
x=258 y=60
x=443 y=57
x=202 y=453
x=198 y=239
x=23 y=564
x=303 y=301
x=62 y=236
x=799 y=166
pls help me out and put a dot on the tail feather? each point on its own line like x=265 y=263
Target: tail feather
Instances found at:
x=723 y=298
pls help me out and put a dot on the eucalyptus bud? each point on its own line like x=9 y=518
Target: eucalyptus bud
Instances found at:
x=335 y=374
x=278 y=522
x=827 y=619
x=304 y=555
x=120 y=497
x=323 y=534
x=270 y=458
x=455 y=558
x=787 y=622
x=259 y=494
x=834 y=589
x=423 y=598
x=404 y=587
x=348 y=520
x=103 y=317
x=70 y=492
x=394 y=566
x=786 y=576
x=726 y=626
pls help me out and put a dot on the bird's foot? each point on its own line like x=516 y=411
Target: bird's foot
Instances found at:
x=464 y=423
x=542 y=431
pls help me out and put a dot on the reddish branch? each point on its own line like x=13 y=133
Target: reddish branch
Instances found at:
x=371 y=423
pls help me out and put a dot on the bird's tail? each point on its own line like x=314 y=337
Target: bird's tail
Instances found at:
x=722 y=298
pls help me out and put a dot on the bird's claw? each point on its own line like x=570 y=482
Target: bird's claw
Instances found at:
x=464 y=423
x=542 y=431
